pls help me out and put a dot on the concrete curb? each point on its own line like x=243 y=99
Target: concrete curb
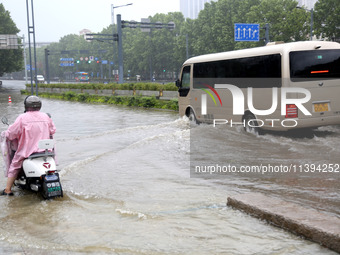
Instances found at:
x=313 y=225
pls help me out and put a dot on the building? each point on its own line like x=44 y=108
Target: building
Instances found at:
x=308 y=4
x=191 y=8
x=84 y=32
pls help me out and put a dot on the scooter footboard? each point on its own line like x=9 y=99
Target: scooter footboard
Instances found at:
x=51 y=186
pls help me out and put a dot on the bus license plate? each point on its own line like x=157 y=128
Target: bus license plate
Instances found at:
x=321 y=107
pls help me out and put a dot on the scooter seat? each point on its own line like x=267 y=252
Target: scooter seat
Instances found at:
x=41 y=155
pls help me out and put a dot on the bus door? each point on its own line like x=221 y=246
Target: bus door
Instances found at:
x=183 y=90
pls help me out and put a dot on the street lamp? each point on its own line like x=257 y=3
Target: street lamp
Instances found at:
x=112 y=11
x=311 y=20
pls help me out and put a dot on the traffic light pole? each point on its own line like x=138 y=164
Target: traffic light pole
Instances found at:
x=266 y=33
x=119 y=37
x=133 y=24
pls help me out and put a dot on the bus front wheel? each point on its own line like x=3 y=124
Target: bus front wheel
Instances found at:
x=192 y=117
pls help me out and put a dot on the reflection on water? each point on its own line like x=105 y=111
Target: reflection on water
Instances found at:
x=126 y=179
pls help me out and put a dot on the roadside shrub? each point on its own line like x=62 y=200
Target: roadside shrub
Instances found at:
x=169 y=87
x=83 y=97
x=70 y=95
x=132 y=101
x=100 y=86
x=148 y=102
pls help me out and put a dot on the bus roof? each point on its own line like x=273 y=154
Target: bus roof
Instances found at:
x=264 y=50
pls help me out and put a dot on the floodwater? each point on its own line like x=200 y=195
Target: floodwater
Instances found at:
x=128 y=189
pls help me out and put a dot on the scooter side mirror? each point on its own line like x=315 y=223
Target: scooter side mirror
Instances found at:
x=4 y=120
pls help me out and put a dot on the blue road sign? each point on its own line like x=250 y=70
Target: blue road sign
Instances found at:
x=247 y=32
x=28 y=67
x=66 y=59
x=66 y=62
x=104 y=62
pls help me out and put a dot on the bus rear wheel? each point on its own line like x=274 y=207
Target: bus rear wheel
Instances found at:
x=251 y=125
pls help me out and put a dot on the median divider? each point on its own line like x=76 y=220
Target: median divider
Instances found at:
x=311 y=224
x=125 y=94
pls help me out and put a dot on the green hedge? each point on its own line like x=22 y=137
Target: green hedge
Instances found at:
x=125 y=86
x=134 y=101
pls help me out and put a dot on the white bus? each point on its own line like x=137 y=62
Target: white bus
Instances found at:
x=281 y=86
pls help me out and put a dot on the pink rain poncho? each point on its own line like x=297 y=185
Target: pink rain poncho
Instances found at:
x=7 y=153
x=28 y=129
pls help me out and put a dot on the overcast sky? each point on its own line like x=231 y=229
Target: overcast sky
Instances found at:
x=57 y=18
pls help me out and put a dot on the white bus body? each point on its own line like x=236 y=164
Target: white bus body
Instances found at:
x=289 y=69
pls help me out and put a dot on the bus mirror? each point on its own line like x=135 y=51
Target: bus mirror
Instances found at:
x=178 y=83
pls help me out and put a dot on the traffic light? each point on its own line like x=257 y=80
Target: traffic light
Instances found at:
x=89 y=62
x=78 y=61
x=98 y=61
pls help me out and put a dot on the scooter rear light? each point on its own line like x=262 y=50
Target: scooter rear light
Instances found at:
x=51 y=172
x=291 y=111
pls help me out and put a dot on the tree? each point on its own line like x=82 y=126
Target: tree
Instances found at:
x=287 y=23
x=159 y=52
x=151 y=53
x=327 y=19
x=10 y=60
x=213 y=30
x=214 y=27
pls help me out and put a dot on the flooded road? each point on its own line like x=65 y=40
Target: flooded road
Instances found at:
x=127 y=186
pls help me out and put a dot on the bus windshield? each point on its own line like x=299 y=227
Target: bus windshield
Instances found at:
x=314 y=65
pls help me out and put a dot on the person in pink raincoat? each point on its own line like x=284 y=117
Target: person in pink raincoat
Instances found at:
x=28 y=129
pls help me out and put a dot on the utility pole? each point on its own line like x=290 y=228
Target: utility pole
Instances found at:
x=25 y=59
x=120 y=49
x=47 y=52
x=31 y=30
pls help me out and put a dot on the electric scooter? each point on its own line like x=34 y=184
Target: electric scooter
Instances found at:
x=39 y=171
